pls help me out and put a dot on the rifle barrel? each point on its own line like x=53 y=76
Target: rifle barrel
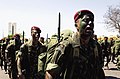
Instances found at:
x=59 y=27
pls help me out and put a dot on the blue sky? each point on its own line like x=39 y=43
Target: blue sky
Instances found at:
x=44 y=14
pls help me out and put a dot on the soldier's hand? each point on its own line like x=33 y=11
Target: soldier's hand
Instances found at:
x=21 y=76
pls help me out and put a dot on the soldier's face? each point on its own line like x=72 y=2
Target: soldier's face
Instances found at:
x=17 y=39
x=85 y=25
x=35 y=34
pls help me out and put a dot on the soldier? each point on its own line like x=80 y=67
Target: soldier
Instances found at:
x=27 y=58
x=6 y=60
x=77 y=58
x=100 y=40
x=4 y=45
x=117 y=47
x=106 y=49
x=53 y=43
x=11 y=50
x=112 y=42
x=116 y=50
x=0 y=54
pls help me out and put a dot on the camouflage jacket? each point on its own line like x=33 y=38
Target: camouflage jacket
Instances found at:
x=73 y=61
x=106 y=47
x=29 y=59
x=11 y=50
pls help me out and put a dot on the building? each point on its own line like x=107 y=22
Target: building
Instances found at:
x=11 y=28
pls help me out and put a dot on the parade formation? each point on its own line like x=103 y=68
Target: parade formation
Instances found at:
x=66 y=55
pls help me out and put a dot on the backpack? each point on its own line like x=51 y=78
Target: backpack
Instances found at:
x=53 y=43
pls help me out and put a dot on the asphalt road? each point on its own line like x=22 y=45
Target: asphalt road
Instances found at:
x=3 y=75
x=112 y=73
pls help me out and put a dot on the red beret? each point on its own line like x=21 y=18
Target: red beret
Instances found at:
x=36 y=28
x=81 y=13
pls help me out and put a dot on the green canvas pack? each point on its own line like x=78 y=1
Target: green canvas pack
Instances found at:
x=53 y=43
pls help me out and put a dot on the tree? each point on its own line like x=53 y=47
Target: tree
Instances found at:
x=112 y=18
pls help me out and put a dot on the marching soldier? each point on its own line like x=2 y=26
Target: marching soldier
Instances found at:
x=1 y=54
x=27 y=58
x=4 y=45
x=77 y=58
x=106 y=49
x=11 y=51
x=117 y=53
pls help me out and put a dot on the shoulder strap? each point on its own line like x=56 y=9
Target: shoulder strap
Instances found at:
x=76 y=51
x=96 y=51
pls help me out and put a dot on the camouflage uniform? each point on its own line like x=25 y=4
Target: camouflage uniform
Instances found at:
x=29 y=60
x=116 y=50
x=11 y=51
x=117 y=47
x=118 y=62
x=1 y=55
x=72 y=61
x=53 y=43
x=106 y=49
x=5 y=43
x=77 y=58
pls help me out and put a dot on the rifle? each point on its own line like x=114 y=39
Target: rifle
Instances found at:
x=23 y=37
x=59 y=28
x=47 y=39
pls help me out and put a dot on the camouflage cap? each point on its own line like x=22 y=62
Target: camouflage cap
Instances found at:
x=81 y=13
x=36 y=28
